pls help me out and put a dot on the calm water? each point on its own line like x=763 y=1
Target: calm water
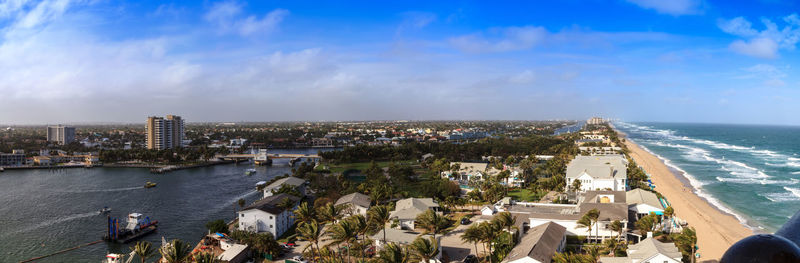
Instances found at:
x=750 y=171
x=43 y=211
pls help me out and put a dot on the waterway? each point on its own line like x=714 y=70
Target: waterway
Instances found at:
x=43 y=211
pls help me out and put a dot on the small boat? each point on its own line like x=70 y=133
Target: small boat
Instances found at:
x=2 y=169
x=149 y=185
x=105 y=210
x=250 y=171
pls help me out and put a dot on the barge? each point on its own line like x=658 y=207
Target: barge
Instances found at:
x=135 y=227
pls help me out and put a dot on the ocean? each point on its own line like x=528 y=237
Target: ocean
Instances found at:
x=750 y=171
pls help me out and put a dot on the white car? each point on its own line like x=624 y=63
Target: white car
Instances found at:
x=299 y=259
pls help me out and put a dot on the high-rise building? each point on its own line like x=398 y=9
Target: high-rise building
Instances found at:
x=60 y=134
x=596 y=121
x=164 y=133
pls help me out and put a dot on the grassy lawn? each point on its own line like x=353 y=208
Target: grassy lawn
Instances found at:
x=526 y=195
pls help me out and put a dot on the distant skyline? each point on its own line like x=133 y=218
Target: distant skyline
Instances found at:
x=85 y=61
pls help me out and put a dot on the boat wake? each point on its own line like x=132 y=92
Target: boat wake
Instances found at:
x=236 y=199
x=105 y=190
x=53 y=222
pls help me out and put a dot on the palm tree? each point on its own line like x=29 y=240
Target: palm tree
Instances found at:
x=618 y=227
x=506 y=221
x=342 y=232
x=594 y=216
x=393 y=253
x=489 y=231
x=587 y=223
x=329 y=213
x=593 y=252
x=424 y=249
x=432 y=222
x=473 y=235
x=311 y=232
x=205 y=257
x=176 y=251
x=144 y=250
x=304 y=213
x=378 y=217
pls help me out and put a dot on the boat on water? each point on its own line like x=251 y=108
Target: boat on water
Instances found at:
x=105 y=210
x=250 y=171
x=2 y=170
x=149 y=184
x=136 y=227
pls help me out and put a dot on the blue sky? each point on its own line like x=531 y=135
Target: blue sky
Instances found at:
x=64 y=61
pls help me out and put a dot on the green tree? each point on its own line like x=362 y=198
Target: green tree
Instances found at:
x=378 y=217
x=311 y=231
x=343 y=232
x=176 y=252
x=432 y=222
x=424 y=249
x=144 y=250
x=217 y=226
x=304 y=213
x=585 y=222
x=330 y=212
x=473 y=235
x=205 y=257
x=393 y=253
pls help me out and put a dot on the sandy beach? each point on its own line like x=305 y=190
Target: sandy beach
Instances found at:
x=716 y=230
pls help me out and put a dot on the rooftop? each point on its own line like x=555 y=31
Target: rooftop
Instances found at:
x=540 y=243
x=358 y=199
x=272 y=203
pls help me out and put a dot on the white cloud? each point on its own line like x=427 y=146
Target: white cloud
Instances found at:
x=769 y=75
x=226 y=15
x=501 y=39
x=671 y=7
x=764 y=43
x=417 y=19
x=759 y=47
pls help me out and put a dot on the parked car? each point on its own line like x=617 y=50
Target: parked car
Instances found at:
x=290 y=244
x=465 y=221
x=470 y=259
x=299 y=259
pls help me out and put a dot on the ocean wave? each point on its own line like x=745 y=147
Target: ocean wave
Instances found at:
x=794 y=191
x=55 y=221
x=780 y=197
x=750 y=180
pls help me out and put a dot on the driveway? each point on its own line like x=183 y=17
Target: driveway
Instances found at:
x=454 y=249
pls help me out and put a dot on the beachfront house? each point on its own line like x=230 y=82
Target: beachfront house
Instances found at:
x=643 y=202
x=608 y=172
x=355 y=203
x=539 y=244
x=407 y=210
x=648 y=250
x=297 y=183
x=271 y=214
x=610 y=204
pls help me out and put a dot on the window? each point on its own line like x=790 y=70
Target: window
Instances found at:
x=270 y=226
x=270 y=217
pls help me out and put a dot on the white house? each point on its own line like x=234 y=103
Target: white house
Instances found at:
x=356 y=203
x=607 y=172
x=407 y=210
x=648 y=250
x=643 y=202
x=298 y=183
x=539 y=244
x=610 y=204
x=488 y=210
x=267 y=215
x=467 y=172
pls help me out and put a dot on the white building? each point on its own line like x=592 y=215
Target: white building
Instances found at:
x=539 y=244
x=60 y=134
x=407 y=210
x=295 y=182
x=643 y=202
x=356 y=203
x=608 y=172
x=610 y=204
x=648 y=250
x=267 y=215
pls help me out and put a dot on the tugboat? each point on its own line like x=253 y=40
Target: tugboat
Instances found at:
x=136 y=227
x=149 y=184
x=250 y=171
x=105 y=210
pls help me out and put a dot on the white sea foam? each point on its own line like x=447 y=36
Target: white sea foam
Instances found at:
x=780 y=197
x=794 y=191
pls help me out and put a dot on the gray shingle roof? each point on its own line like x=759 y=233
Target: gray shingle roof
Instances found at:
x=291 y=180
x=540 y=243
x=639 y=196
x=409 y=208
x=358 y=199
x=650 y=247
x=599 y=167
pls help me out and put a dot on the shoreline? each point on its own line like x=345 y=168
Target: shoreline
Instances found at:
x=716 y=229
